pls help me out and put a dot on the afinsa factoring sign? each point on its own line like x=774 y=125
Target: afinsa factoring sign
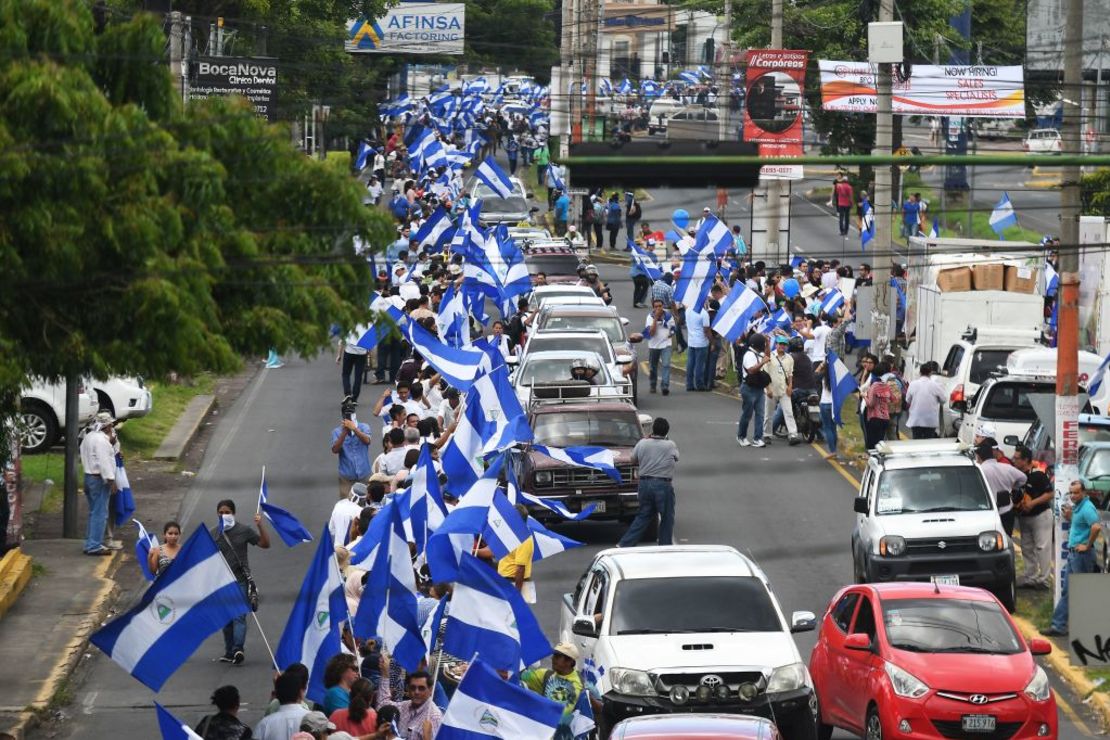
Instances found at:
x=410 y=28
x=254 y=79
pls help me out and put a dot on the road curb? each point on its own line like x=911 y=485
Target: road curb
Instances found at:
x=15 y=574
x=610 y=259
x=1072 y=675
x=183 y=431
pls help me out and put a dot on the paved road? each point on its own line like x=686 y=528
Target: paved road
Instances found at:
x=782 y=505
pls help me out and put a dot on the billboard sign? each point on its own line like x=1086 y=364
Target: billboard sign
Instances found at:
x=410 y=28
x=773 y=107
x=931 y=90
x=254 y=79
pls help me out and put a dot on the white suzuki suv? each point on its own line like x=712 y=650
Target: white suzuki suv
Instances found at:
x=688 y=629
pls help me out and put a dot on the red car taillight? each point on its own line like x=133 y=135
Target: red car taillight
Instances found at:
x=957 y=394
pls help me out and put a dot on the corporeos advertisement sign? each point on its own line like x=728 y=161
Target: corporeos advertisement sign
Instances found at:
x=410 y=28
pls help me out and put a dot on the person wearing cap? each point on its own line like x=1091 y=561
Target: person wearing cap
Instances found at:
x=985 y=432
x=98 y=459
x=319 y=727
x=1082 y=533
x=780 y=391
x=705 y=214
x=561 y=683
x=1002 y=479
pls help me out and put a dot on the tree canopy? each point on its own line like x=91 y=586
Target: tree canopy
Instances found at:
x=143 y=237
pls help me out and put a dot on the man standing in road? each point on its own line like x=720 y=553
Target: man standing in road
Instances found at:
x=780 y=392
x=924 y=398
x=1084 y=530
x=1034 y=516
x=232 y=538
x=99 y=462
x=755 y=379
x=562 y=213
x=1002 y=479
x=697 y=340
x=659 y=329
x=844 y=199
x=351 y=441
x=656 y=457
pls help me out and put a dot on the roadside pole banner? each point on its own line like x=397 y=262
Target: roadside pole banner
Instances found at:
x=13 y=491
x=932 y=90
x=410 y=28
x=773 y=111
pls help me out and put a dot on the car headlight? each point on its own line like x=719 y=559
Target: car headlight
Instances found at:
x=892 y=545
x=543 y=477
x=631 y=682
x=787 y=678
x=990 y=541
x=1038 y=688
x=905 y=683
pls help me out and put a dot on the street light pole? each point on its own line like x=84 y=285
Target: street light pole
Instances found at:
x=885 y=312
x=774 y=187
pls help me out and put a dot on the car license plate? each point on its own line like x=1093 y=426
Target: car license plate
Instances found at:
x=946 y=581
x=978 y=723
x=599 y=506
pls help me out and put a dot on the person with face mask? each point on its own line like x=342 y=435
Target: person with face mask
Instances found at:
x=232 y=538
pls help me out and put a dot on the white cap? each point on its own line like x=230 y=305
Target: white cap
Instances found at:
x=986 y=429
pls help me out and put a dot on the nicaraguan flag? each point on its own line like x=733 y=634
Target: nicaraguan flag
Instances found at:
x=690 y=77
x=457 y=365
x=171 y=727
x=515 y=279
x=713 y=237
x=598 y=458
x=435 y=230
x=143 y=545
x=517 y=496
x=195 y=596
x=548 y=543
x=1051 y=280
x=934 y=232
x=625 y=87
x=698 y=270
x=867 y=230
x=650 y=88
x=494 y=177
x=123 y=503
x=796 y=261
x=507 y=423
x=490 y=617
x=1003 y=216
x=288 y=527
x=605 y=87
x=451 y=320
x=582 y=719
x=312 y=633
x=364 y=152
x=841 y=384
x=462 y=455
x=736 y=312
x=1100 y=374
x=388 y=604
x=487 y=706
x=832 y=302
x=426 y=508
x=646 y=260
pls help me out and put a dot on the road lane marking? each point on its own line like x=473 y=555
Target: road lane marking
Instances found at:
x=1071 y=715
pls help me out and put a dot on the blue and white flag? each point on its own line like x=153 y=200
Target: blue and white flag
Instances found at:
x=796 y=261
x=625 y=86
x=517 y=496
x=1051 y=280
x=312 y=633
x=934 y=232
x=649 y=88
x=832 y=302
x=457 y=365
x=462 y=455
x=487 y=706
x=452 y=320
x=605 y=87
x=489 y=617
x=364 y=152
x=513 y=271
x=143 y=545
x=598 y=458
x=426 y=508
x=388 y=603
x=123 y=503
x=547 y=543
x=494 y=177
x=841 y=384
x=1097 y=378
x=698 y=271
x=436 y=230
x=171 y=727
x=692 y=78
x=714 y=237
x=288 y=527
x=582 y=719
x=507 y=423
x=646 y=260
x=867 y=228
x=1003 y=216
x=195 y=596
x=736 y=312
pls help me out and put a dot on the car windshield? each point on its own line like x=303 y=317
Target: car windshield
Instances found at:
x=611 y=325
x=570 y=428
x=1010 y=401
x=693 y=604
x=512 y=204
x=987 y=361
x=581 y=344
x=1096 y=464
x=932 y=489
x=549 y=370
x=949 y=626
x=552 y=264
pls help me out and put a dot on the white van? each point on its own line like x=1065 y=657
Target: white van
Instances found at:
x=660 y=111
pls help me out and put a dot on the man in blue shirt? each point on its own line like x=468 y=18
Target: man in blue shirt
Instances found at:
x=1082 y=533
x=393 y=251
x=910 y=212
x=562 y=213
x=697 y=343
x=351 y=441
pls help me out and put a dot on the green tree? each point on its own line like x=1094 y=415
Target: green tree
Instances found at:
x=1095 y=192
x=513 y=34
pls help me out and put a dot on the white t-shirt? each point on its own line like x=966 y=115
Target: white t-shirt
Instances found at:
x=815 y=348
x=342 y=514
x=751 y=359
x=448 y=414
x=393 y=462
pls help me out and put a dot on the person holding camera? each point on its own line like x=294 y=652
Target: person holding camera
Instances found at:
x=351 y=441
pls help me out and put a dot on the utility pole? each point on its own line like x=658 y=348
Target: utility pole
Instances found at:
x=592 y=19
x=884 y=326
x=724 y=74
x=774 y=187
x=567 y=52
x=178 y=51
x=70 y=529
x=1066 y=433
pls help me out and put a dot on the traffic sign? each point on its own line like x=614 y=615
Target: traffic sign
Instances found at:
x=902 y=152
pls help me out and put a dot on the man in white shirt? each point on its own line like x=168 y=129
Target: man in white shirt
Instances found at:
x=352 y=358
x=286 y=721
x=658 y=330
x=816 y=339
x=98 y=460
x=924 y=396
x=449 y=409
x=344 y=512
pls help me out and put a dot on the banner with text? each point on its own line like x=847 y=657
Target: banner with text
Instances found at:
x=410 y=28
x=773 y=107
x=931 y=90
x=254 y=79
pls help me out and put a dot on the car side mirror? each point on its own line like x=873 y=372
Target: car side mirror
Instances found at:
x=512 y=360
x=803 y=622
x=1037 y=646
x=857 y=641
x=859 y=505
x=960 y=406
x=584 y=627
x=624 y=321
x=1011 y=440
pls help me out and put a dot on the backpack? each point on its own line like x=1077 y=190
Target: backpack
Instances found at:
x=613 y=213
x=895 y=403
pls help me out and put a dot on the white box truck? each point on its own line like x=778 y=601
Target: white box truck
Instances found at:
x=1094 y=284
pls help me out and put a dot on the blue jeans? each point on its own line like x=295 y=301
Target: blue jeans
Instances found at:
x=96 y=495
x=695 y=367
x=656 y=499
x=1078 y=562
x=753 y=400
x=235 y=631
x=710 y=375
x=657 y=357
x=828 y=426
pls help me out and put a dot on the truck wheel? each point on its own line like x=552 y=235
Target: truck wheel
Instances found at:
x=800 y=727
x=1007 y=594
x=38 y=429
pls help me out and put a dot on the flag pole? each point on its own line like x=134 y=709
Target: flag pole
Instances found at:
x=262 y=483
x=265 y=642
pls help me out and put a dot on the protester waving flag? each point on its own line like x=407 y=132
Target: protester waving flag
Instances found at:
x=196 y=595
x=312 y=634
x=143 y=545
x=1098 y=377
x=426 y=508
x=1003 y=216
x=736 y=312
x=582 y=720
x=696 y=278
x=364 y=152
x=171 y=727
x=487 y=706
x=494 y=177
x=867 y=227
x=458 y=365
x=436 y=230
x=288 y=527
x=463 y=452
x=714 y=236
x=646 y=260
x=841 y=384
x=832 y=302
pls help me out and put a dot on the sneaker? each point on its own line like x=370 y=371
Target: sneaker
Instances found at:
x=666 y=391
x=238 y=657
x=793 y=441
x=651 y=390
x=1053 y=632
x=742 y=441
x=226 y=659
x=99 y=551
x=759 y=443
x=113 y=544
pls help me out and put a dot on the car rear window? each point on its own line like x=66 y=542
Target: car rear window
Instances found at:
x=552 y=264
x=693 y=604
x=952 y=361
x=1010 y=401
x=987 y=361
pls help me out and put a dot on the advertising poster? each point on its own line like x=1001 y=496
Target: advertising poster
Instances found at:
x=931 y=90
x=410 y=28
x=13 y=494
x=254 y=79
x=773 y=108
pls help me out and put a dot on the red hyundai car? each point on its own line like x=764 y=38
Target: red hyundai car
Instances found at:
x=901 y=660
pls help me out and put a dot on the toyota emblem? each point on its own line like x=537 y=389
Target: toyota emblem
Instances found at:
x=978 y=698
x=942 y=544
x=711 y=681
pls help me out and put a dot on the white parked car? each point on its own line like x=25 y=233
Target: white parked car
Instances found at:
x=1043 y=141
x=924 y=512
x=970 y=361
x=42 y=413
x=688 y=628
x=546 y=376
x=123 y=397
x=544 y=294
